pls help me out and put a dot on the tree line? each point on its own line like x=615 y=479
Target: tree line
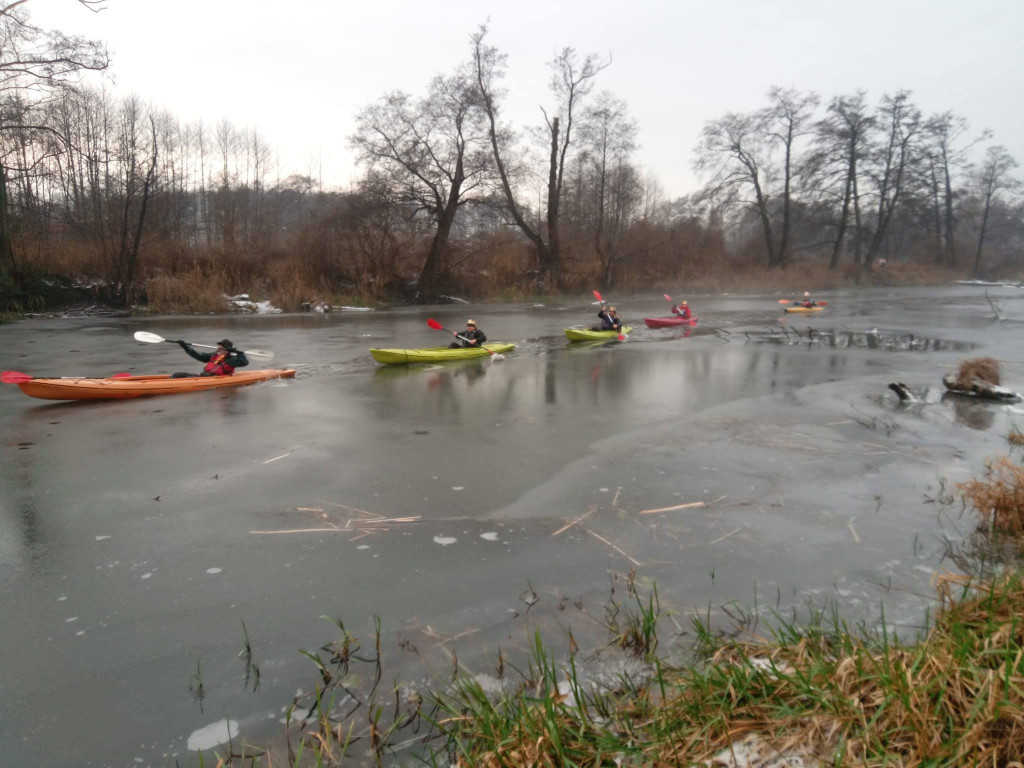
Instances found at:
x=453 y=196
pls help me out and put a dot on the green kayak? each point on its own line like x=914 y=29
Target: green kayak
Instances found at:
x=435 y=354
x=584 y=334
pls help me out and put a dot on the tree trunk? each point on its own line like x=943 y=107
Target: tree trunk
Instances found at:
x=950 y=222
x=843 y=216
x=428 y=282
x=550 y=256
x=981 y=237
x=7 y=264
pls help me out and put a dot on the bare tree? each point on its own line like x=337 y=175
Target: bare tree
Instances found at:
x=991 y=180
x=431 y=152
x=841 y=141
x=34 y=63
x=785 y=120
x=902 y=123
x=945 y=155
x=733 y=155
x=607 y=139
x=572 y=80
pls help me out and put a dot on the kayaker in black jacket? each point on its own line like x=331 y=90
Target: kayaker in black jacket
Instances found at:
x=471 y=337
x=220 y=362
x=609 y=320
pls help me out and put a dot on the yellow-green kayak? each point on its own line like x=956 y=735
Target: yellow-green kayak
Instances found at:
x=584 y=334
x=436 y=354
x=803 y=309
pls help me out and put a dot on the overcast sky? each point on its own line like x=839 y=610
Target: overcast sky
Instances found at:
x=299 y=70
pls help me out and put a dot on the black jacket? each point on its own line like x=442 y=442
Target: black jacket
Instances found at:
x=477 y=336
x=609 y=323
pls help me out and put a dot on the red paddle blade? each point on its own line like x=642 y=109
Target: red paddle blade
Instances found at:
x=597 y=295
x=783 y=301
x=14 y=377
x=434 y=324
x=667 y=297
x=822 y=303
x=122 y=376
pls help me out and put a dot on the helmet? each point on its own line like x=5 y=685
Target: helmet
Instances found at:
x=472 y=322
x=226 y=343
x=684 y=303
x=806 y=294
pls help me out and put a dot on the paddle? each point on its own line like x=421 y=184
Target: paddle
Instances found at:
x=597 y=295
x=152 y=338
x=438 y=327
x=17 y=377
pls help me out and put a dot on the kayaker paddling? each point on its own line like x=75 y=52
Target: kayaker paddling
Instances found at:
x=471 y=337
x=610 y=320
x=807 y=301
x=683 y=310
x=220 y=362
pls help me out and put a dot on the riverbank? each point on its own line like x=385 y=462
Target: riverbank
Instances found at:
x=813 y=693
x=199 y=291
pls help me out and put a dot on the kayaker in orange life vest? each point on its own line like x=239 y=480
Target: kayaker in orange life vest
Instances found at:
x=220 y=362
x=683 y=310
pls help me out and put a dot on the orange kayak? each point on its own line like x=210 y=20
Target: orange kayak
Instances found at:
x=142 y=386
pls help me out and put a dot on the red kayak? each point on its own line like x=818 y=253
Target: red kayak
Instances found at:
x=668 y=322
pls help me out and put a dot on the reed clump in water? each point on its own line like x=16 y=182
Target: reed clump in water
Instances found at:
x=983 y=369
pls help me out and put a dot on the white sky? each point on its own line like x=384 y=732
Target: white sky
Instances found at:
x=299 y=70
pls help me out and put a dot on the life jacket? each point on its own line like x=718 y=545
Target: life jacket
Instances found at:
x=218 y=367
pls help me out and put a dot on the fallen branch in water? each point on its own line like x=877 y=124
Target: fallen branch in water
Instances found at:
x=690 y=505
x=602 y=539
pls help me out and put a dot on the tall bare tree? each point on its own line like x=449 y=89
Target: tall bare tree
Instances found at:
x=901 y=121
x=571 y=82
x=786 y=119
x=432 y=153
x=945 y=156
x=34 y=63
x=841 y=140
x=991 y=180
x=607 y=139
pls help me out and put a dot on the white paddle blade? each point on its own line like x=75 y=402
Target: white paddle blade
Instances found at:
x=148 y=338
x=262 y=354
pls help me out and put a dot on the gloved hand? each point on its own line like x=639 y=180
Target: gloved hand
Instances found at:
x=181 y=343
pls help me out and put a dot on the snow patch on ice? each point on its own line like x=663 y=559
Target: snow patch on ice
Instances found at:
x=444 y=541
x=213 y=734
x=489 y=536
x=213 y=570
x=242 y=302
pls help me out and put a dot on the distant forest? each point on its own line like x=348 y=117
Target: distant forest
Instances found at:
x=113 y=195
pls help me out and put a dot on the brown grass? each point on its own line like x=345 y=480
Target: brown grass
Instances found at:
x=984 y=369
x=998 y=496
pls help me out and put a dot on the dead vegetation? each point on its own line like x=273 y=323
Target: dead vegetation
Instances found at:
x=998 y=496
x=980 y=369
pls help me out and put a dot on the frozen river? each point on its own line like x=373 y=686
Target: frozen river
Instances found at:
x=137 y=536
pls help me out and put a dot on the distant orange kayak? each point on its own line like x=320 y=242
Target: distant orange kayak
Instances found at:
x=142 y=386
